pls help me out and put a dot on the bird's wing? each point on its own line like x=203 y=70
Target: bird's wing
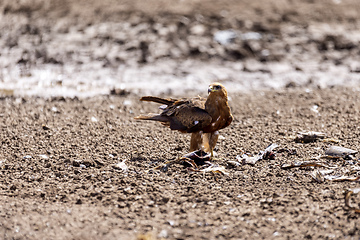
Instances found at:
x=187 y=115
x=228 y=121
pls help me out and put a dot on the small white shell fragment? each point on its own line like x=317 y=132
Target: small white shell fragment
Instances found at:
x=127 y=103
x=315 y=108
x=355 y=190
x=163 y=234
x=94 y=119
x=121 y=165
x=338 y=151
x=225 y=37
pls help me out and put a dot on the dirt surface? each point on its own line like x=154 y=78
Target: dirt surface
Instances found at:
x=60 y=178
x=79 y=167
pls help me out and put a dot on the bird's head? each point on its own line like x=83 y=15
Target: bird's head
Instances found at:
x=217 y=89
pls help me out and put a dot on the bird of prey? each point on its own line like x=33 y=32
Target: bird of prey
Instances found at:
x=199 y=116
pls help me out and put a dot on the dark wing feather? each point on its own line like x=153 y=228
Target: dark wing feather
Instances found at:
x=187 y=115
x=228 y=122
x=166 y=101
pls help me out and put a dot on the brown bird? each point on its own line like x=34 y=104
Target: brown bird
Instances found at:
x=199 y=116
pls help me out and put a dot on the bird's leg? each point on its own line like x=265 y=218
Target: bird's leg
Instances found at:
x=212 y=142
x=209 y=143
x=196 y=141
x=206 y=144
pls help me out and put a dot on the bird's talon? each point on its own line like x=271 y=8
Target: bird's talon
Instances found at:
x=191 y=162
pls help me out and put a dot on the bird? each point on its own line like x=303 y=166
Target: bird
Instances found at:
x=202 y=117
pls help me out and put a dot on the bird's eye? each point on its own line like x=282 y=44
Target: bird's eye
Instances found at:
x=217 y=87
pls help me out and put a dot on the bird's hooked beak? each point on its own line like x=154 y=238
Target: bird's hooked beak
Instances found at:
x=216 y=87
x=211 y=89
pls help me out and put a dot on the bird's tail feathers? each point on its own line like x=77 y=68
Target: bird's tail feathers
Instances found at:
x=153 y=117
x=157 y=100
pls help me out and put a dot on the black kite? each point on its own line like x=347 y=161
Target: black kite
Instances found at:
x=199 y=116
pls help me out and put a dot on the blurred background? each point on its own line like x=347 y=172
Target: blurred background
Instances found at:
x=88 y=47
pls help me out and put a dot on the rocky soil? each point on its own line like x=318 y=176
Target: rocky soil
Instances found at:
x=74 y=164
x=81 y=169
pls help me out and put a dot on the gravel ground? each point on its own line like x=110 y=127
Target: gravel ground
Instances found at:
x=74 y=164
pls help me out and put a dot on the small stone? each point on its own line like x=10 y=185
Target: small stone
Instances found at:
x=94 y=119
x=163 y=234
